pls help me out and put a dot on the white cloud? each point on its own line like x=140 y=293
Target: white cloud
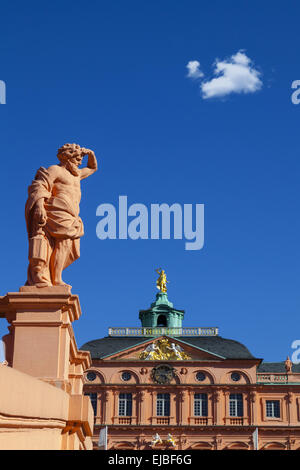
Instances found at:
x=194 y=69
x=236 y=75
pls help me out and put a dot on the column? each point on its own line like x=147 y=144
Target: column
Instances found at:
x=142 y=406
x=253 y=408
x=184 y=407
x=210 y=405
x=173 y=413
x=288 y=399
x=226 y=407
x=153 y=407
x=116 y=407
x=108 y=406
x=217 y=418
x=135 y=405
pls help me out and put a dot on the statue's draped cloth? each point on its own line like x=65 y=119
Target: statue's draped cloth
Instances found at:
x=63 y=221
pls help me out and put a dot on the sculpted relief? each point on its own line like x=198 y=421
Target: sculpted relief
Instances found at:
x=163 y=350
x=52 y=216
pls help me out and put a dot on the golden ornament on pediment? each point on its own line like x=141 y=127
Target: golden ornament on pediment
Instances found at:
x=163 y=350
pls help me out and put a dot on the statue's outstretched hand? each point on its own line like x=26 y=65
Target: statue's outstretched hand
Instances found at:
x=85 y=151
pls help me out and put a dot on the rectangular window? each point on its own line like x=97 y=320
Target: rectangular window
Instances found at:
x=125 y=404
x=93 y=398
x=236 y=404
x=273 y=408
x=163 y=404
x=200 y=404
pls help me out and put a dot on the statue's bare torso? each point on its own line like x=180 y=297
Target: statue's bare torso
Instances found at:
x=65 y=184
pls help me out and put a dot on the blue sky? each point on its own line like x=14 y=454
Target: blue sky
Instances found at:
x=112 y=76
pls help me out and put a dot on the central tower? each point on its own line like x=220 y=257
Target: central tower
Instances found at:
x=161 y=313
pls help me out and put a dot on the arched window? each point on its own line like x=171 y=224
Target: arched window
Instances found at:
x=161 y=321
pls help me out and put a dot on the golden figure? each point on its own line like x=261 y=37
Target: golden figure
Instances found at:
x=156 y=440
x=177 y=352
x=161 y=282
x=170 y=440
x=163 y=350
x=152 y=352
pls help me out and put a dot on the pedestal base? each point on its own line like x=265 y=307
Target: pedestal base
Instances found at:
x=41 y=340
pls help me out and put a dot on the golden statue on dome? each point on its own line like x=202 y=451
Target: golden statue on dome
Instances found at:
x=161 y=282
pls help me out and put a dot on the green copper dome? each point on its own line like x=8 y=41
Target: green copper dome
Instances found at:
x=161 y=313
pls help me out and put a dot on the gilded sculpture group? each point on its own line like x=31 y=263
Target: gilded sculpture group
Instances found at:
x=163 y=350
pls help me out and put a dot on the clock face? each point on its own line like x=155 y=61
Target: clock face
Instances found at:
x=162 y=374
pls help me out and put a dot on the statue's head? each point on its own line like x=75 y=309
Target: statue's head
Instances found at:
x=70 y=156
x=68 y=151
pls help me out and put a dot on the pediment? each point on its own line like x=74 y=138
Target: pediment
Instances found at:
x=163 y=348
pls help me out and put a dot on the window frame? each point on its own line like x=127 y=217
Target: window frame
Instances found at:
x=165 y=404
x=202 y=402
x=125 y=404
x=239 y=405
x=273 y=416
x=282 y=408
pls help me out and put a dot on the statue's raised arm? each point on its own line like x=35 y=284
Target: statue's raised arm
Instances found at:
x=91 y=166
x=52 y=215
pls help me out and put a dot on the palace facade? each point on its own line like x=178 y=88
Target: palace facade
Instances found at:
x=163 y=386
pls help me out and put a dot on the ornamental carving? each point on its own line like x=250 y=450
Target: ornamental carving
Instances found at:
x=217 y=395
x=158 y=440
x=163 y=350
x=289 y=397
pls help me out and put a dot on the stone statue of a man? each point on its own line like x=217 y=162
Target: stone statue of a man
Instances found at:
x=52 y=216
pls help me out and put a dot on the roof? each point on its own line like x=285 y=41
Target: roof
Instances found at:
x=276 y=367
x=227 y=348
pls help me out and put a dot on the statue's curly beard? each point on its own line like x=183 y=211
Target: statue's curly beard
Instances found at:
x=72 y=167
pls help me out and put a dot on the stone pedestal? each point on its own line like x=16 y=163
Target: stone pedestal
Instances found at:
x=41 y=341
x=41 y=347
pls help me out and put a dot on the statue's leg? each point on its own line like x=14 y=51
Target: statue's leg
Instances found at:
x=59 y=260
x=39 y=256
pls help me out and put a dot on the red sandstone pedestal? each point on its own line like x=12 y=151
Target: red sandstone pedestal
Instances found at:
x=41 y=341
x=41 y=344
